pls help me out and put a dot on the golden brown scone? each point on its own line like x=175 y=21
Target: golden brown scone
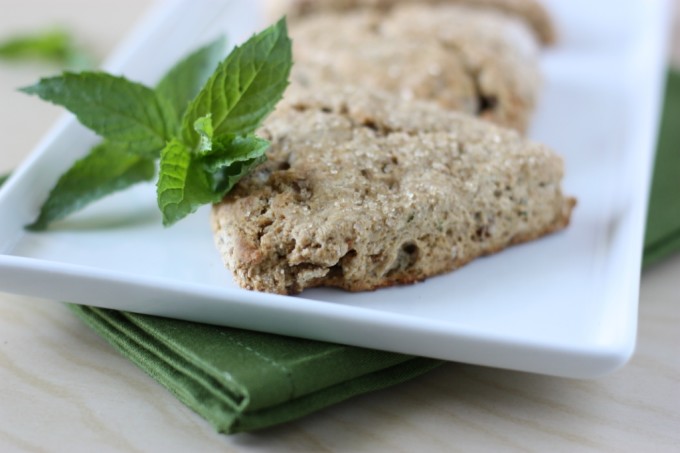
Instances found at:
x=363 y=191
x=529 y=11
x=475 y=61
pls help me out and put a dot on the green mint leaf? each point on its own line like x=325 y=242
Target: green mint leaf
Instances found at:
x=203 y=126
x=4 y=178
x=49 y=45
x=230 y=162
x=54 y=45
x=233 y=150
x=125 y=113
x=184 y=81
x=188 y=180
x=183 y=184
x=245 y=87
x=105 y=170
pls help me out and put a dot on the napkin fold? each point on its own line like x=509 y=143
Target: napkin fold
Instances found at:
x=241 y=381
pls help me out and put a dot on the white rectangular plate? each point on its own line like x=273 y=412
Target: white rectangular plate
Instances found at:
x=564 y=305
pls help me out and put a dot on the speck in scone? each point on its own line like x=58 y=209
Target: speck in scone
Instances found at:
x=363 y=191
x=471 y=60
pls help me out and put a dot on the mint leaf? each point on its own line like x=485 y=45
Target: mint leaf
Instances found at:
x=228 y=164
x=183 y=184
x=4 y=178
x=233 y=150
x=203 y=126
x=105 y=170
x=188 y=180
x=184 y=81
x=53 y=45
x=245 y=87
x=125 y=113
x=229 y=159
x=50 y=45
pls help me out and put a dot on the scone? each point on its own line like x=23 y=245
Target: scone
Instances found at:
x=529 y=11
x=363 y=190
x=471 y=60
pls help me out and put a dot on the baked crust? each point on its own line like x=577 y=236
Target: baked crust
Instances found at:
x=471 y=60
x=363 y=190
x=531 y=12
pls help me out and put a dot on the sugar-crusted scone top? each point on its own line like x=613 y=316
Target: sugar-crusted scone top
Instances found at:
x=473 y=60
x=363 y=190
x=531 y=12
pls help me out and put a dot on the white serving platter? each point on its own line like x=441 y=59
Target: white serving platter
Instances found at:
x=565 y=305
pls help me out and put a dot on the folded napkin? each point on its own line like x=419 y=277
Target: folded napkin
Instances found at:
x=242 y=381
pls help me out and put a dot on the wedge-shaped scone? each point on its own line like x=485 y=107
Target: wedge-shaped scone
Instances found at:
x=466 y=59
x=530 y=11
x=363 y=191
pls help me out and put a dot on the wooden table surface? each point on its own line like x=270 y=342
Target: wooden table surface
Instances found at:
x=62 y=388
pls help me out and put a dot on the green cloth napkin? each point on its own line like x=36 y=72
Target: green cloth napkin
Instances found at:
x=663 y=221
x=242 y=381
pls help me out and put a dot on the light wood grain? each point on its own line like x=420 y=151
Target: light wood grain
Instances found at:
x=65 y=389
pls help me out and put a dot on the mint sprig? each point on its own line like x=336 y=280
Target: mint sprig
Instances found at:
x=198 y=121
